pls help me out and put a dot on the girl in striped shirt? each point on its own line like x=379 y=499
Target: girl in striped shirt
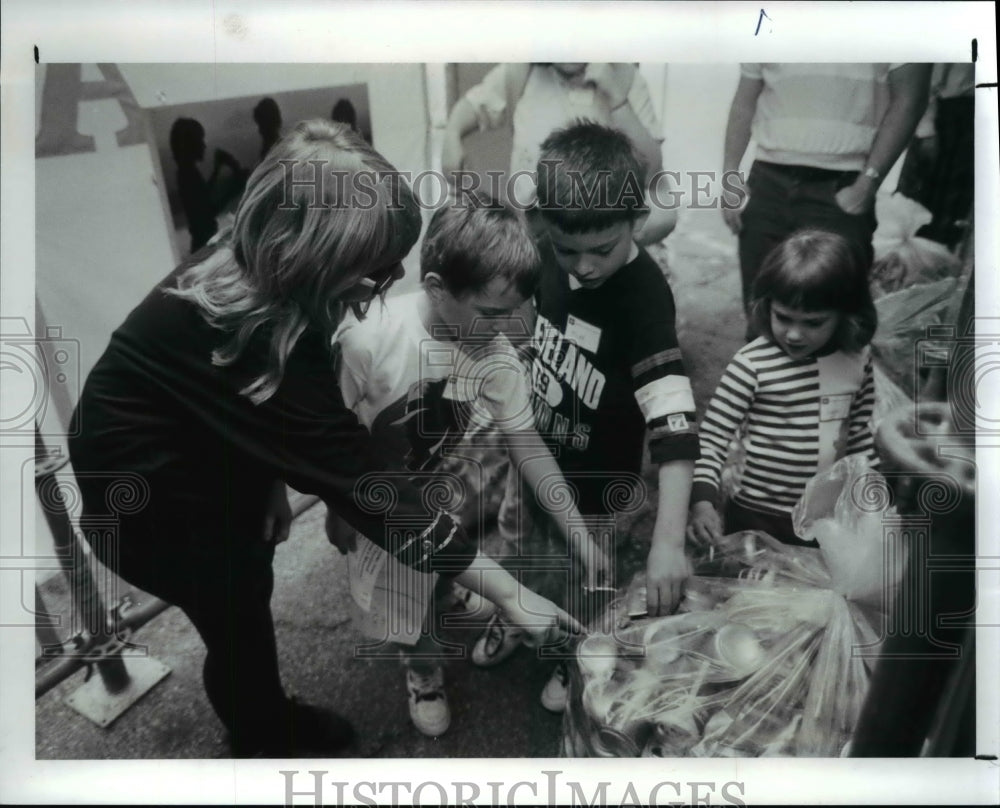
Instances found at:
x=799 y=397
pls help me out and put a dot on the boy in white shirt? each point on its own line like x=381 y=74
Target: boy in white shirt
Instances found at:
x=423 y=370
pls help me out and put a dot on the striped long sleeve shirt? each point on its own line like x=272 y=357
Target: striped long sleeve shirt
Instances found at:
x=797 y=417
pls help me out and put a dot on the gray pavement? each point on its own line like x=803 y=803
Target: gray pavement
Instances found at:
x=495 y=712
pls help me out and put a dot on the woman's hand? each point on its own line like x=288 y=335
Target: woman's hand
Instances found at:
x=704 y=524
x=543 y=621
x=278 y=514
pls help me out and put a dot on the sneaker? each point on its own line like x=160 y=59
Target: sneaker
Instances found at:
x=555 y=693
x=428 y=703
x=496 y=643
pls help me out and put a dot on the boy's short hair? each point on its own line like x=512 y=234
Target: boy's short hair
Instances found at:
x=471 y=241
x=590 y=178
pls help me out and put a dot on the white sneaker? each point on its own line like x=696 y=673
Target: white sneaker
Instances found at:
x=555 y=692
x=497 y=642
x=428 y=703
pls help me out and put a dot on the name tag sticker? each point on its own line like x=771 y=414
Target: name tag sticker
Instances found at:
x=677 y=422
x=585 y=335
x=835 y=407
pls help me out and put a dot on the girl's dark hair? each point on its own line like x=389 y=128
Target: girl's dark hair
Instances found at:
x=814 y=270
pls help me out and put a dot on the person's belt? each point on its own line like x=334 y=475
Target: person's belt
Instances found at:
x=806 y=172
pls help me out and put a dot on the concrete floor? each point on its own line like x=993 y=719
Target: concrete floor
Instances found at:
x=495 y=713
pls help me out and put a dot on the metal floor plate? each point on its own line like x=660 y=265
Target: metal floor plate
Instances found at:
x=93 y=700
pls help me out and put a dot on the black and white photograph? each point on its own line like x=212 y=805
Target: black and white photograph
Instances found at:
x=385 y=424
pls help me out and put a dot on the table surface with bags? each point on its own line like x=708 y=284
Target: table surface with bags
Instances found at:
x=771 y=650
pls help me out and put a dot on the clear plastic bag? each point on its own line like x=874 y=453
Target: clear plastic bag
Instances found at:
x=902 y=258
x=761 y=661
x=903 y=318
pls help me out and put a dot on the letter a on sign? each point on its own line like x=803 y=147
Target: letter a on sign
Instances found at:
x=64 y=90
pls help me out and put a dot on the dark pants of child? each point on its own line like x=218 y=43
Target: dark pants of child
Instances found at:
x=786 y=198
x=739 y=517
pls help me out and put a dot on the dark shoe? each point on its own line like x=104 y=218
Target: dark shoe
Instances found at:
x=304 y=731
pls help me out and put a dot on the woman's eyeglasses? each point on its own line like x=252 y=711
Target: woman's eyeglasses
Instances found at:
x=360 y=296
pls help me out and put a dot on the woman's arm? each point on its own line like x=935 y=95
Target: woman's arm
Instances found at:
x=543 y=620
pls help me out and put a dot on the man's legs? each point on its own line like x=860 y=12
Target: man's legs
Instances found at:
x=786 y=199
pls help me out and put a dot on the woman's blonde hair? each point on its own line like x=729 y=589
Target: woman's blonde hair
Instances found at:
x=322 y=211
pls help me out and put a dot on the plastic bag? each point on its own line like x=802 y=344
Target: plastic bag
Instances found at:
x=844 y=509
x=889 y=397
x=762 y=660
x=903 y=259
x=903 y=318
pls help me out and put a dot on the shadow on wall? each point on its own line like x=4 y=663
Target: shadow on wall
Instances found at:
x=229 y=124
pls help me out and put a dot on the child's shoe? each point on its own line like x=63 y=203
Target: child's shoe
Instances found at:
x=555 y=693
x=428 y=703
x=496 y=643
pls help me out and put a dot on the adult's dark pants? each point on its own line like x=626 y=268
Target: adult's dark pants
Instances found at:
x=948 y=189
x=222 y=580
x=786 y=198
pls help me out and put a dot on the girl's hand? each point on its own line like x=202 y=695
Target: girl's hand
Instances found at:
x=613 y=81
x=544 y=622
x=704 y=524
x=667 y=568
x=278 y=515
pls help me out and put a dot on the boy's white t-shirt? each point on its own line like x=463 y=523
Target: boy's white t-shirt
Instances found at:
x=418 y=395
x=397 y=376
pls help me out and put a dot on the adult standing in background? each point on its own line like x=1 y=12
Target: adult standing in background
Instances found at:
x=826 y=134
x=538 y=98
x=939 y=170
